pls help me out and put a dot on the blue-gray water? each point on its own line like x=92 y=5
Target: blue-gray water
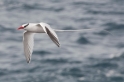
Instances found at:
x=95 y=56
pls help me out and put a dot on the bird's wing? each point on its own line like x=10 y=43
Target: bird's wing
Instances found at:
x=51 y=33
x=28 y=42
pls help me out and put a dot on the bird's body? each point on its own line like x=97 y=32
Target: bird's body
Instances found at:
x=28 y=37
x=36 y=28
x=32 y=28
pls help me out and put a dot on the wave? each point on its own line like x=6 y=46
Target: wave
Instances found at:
x=83 y=40
x=55 y=61
x=41 y=52
x=105 y=12
x=114 y=26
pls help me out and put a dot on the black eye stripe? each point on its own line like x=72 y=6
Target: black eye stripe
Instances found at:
x=26 y=25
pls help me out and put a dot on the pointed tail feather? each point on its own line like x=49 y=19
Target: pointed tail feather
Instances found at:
x=80 y=30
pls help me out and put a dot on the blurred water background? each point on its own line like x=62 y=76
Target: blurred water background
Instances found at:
x=95 y=56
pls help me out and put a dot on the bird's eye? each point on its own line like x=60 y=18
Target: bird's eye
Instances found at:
x=26 y=25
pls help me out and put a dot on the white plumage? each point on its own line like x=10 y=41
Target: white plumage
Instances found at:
x=32 y=28
x=28 y=36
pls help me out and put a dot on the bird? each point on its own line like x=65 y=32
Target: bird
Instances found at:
x=32 y=28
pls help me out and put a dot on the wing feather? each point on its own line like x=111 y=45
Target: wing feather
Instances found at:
x=51 y=33
x=28 y=43
x=53 y=36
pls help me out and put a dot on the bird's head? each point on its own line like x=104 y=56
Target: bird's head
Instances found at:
x=24 y=26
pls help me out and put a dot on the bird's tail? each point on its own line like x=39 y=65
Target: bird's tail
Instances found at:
x=81 y=30
x=71 y=30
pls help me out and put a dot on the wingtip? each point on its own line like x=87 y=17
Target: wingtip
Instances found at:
x=58 y=45
x=28 y=62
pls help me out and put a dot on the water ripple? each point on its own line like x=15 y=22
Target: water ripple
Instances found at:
x=105 y=12
x=55 y=61
x=114 y=26
x=83 y=40
x=41 y=52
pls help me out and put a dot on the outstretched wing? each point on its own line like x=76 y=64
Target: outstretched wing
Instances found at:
x=51 y=33
x=28 y=42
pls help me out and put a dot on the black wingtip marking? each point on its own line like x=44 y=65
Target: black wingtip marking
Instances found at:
x=28 y=61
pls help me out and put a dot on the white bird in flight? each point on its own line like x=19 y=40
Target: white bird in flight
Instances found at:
x=31 y=29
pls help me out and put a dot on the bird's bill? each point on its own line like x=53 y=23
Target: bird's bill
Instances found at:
x=21 y=27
